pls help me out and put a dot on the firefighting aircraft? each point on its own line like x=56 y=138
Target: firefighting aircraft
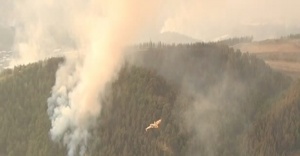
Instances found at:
x=154 y=125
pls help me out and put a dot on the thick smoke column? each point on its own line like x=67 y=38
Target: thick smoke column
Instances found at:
x=80 y=82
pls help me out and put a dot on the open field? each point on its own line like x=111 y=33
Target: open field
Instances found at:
x=281 y=55
x=270 y=46
x=290 y=68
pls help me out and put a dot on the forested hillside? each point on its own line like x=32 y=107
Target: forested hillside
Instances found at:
x=211 y=99
x=276 y=131
x=235 y=40
x=23 y=108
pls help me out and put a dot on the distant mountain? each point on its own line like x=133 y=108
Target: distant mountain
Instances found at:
x=172 y=37
x=169 y=38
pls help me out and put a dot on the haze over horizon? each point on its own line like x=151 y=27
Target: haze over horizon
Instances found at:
x=211 y=20
x=207 y=20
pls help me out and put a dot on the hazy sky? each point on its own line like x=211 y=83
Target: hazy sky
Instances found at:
x=212 y=19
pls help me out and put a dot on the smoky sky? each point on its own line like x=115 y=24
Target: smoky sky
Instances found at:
x=212 y=19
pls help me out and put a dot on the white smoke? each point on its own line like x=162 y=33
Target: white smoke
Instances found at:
x=35 y=23
x=101 y=30
x=92 y=33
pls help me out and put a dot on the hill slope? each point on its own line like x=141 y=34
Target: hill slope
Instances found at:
x=276 y=132
x=23 y=107
x=207 y=96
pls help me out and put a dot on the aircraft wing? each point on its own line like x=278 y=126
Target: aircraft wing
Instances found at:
x=158 y=122
x=148 y=128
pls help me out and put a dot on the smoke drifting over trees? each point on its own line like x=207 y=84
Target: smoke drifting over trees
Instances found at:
x=208 y=105
x=75 y=103
x=99 y=98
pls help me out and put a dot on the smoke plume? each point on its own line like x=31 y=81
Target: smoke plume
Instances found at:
x=100 y=29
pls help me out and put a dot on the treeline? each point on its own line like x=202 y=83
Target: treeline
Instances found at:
x=207 y=95
x=235 y=40
x=291 y=36
x=280 y=39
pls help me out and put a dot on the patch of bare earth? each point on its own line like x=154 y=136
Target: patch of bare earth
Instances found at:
x=290 y=68
x=274 y=46
x=281 y=55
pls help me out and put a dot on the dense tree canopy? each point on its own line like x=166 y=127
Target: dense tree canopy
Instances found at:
x=212 y=101
x=276 y=131
x=23 y=108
